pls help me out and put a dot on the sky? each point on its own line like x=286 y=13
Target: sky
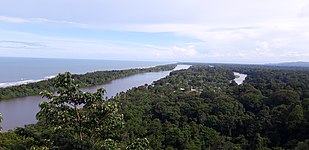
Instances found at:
x=220 y=31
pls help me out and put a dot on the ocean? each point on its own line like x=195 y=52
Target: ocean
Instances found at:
x=15 y=70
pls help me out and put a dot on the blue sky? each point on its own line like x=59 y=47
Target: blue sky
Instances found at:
x=238 y=31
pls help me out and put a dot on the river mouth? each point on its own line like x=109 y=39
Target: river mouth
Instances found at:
x=18 y=112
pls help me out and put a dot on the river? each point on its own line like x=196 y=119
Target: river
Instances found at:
x=239 y=80
x=21 y=111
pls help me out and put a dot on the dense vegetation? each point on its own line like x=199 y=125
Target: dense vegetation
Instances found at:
x=197 y=108
x=270 y=110
x=84 y=80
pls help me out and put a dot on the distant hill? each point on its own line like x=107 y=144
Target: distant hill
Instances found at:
x=291 y=64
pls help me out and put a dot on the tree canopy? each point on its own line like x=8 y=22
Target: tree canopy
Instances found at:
x=196 y=108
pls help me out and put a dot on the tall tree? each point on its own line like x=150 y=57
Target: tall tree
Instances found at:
x=82 y=116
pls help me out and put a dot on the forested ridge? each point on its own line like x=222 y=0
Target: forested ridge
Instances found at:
x=197 y=108
x=84 y=80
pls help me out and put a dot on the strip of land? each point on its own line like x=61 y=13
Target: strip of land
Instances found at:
x=84 y=80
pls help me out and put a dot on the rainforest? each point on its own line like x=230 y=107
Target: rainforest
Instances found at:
x=197 y=108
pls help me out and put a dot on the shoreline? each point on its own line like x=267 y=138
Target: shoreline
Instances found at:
x=84 y=80
x=24 y=82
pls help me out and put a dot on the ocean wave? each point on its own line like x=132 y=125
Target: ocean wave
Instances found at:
x=49 y=77
x=8 y=84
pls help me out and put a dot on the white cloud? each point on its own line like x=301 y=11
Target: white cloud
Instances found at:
x=262 y=48
x=12 y=19
x=304 y=11
x=177 y=53
x=238 y=30
x=20 y=44
x=188 y=51
x=18 y=20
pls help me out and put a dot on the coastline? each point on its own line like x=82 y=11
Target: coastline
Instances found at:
x=84 y=80
x=23 y=82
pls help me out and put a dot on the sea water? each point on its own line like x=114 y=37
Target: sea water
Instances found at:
x=15 y=71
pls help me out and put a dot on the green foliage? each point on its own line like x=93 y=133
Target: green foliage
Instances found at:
x=217 y=114
x=77 y=117
x=286 y=97
x=303 y=145
x=139 y=144
x=0 y=121
x=259 y=143
x=11 y=141
x=197 y=108
x=172 y=118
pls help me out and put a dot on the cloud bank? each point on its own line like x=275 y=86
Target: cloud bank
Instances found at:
x=238 y=31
